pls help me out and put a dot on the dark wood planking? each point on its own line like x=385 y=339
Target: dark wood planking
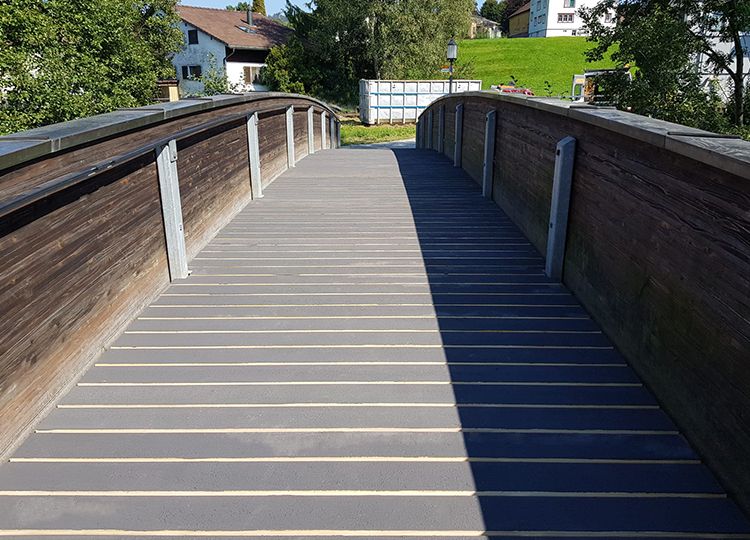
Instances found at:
x=273 y=156
x=658 y=252
x=71 y=279
x=67 y=295
x=214 y=181
x=300 y=134
x=450 y=131
x=29 y=175
x=316 y=130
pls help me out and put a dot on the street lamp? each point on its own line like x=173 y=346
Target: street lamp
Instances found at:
x=451 y=56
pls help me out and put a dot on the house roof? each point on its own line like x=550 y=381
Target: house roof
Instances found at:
x=484 y=21
x=225 y=25
x=523 y=8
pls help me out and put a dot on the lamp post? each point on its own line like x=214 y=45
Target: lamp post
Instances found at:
x=451 y=56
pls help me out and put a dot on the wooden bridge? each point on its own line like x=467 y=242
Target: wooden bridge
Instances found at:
x=373 y=345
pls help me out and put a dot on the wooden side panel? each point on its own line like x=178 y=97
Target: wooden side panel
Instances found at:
x=214 y=181
x=73 y=270
x=316 y=123
x=23 y=178
x=300 y=134
x=473 y=141
x=450 y=130
x=272 y=135
x=658 y=251
x=525 y=143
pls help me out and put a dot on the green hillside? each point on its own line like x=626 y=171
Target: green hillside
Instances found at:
x=532 y=61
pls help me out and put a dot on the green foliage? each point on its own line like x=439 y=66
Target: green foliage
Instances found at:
x=259 y=6
x=546 y=65
x=280 y=73
x=340 y=42
x=493 y=10
x=353 y=132
x=61 y=60
x=240 y=6
x=663 y=38
x=215 y=80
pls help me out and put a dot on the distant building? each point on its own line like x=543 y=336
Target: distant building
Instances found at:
x=519 y=22
x=482 y=28
x=548 y=18
x=237 y=42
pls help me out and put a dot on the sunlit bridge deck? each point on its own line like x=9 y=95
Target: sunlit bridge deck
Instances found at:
x=372 y=350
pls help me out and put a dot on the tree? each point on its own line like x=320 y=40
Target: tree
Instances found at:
x=493 y=10
x=259 y=6
x=240 y=6
x=339 y=42
x=664 y=38
x=61 y=60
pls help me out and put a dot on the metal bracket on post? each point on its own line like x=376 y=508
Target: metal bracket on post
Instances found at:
x=441 y=130
x=429 y=129
x=171 y=209
x=310 y=131
x=323 y=141
x=488 y=169
x=253 y=153
x=290 y=159
x=459 y=136
x=558 y=216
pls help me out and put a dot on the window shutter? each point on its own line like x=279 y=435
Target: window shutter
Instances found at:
x=248 y=74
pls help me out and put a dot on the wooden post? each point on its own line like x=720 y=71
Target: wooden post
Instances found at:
x=290 y=158
x=171 y=209
x=419 y=134
x=558 y=217
x=488 y=168
x=441 y=130
x=332 y=131
x=253 y=153
x=310 y=131
x=429 y=129
x=459 y=137
x=323 y=141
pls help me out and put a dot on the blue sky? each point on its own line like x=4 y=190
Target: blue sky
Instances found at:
x=272 y=6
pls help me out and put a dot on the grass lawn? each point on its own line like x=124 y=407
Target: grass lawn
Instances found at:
x=353 y=132
x=532 y=61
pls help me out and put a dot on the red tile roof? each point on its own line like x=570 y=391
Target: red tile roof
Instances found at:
x=225 y=25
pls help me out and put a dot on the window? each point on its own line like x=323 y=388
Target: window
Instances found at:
x=251 y=74
x=569 y=3
x=192 y=37
x=565 y=17
x=608 y=18
x=191 y=72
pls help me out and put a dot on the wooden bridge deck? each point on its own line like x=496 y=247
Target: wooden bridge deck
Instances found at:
x=372 y=350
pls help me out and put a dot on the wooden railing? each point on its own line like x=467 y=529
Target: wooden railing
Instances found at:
x=648 y=223
x=98 y=215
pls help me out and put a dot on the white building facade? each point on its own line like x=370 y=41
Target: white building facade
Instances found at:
x=233 y=43
x=550 y=18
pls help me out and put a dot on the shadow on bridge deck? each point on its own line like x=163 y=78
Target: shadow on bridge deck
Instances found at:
x=372 y=350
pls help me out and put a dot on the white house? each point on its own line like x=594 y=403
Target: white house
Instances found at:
x=548 y=18
x=236 y=42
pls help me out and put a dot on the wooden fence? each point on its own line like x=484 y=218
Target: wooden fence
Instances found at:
x=97 y=215
x=648 y=223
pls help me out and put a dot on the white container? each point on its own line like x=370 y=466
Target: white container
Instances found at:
x=402 y=101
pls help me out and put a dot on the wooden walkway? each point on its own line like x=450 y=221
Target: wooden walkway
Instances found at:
x=372 y=350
